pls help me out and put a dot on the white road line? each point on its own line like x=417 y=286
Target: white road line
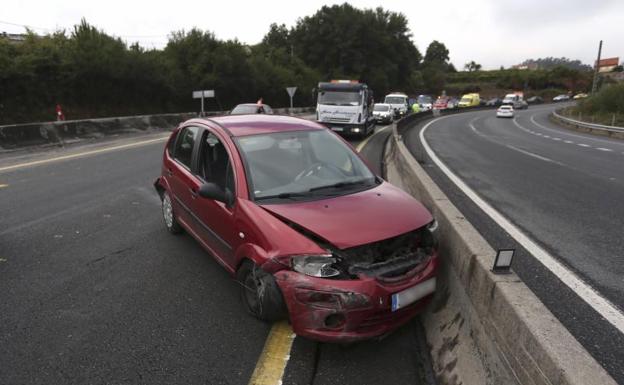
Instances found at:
x=600 y=304
x=546 y=136
x=362 y=144
x=583 y=145
x=604 y=149
x=597 y=139
x=568 y=142
x=534 y=155
x=557 y=139
x=84 y=153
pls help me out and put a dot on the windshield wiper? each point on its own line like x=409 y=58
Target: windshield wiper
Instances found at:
x=285 y=195
x=340 y=185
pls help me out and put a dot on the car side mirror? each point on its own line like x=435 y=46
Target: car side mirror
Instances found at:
x=213 y=191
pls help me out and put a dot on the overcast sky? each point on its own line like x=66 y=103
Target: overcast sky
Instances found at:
x=491 y=32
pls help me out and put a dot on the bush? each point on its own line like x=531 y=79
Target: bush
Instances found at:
x=608 y=100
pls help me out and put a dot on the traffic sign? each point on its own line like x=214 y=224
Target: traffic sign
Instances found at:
x=201 y=95
x=291 y=93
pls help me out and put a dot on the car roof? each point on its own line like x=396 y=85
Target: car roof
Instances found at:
x=252 y=104
x=252 y=124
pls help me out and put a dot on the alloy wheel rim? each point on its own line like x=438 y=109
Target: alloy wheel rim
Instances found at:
x=167 y=211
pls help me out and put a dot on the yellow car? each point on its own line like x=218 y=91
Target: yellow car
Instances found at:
x=469 y=100
x=582 y=95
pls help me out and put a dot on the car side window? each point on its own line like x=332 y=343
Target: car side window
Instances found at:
x=214 y=162
x=185 y=142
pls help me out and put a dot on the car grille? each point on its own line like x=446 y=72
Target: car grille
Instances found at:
x=338 y=120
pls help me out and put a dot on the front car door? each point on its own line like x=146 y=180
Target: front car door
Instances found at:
x=218 y=228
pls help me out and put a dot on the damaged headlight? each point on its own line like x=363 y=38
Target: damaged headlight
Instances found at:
x=315 y=265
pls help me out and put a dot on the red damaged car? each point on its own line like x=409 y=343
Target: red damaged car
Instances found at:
x=309 y=231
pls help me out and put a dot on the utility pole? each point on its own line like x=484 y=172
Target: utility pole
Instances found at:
x=597 y=66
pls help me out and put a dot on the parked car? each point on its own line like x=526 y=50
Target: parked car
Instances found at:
x=494 y=102
x=383 y=113
x=251 y=108
x=341 y=252
x=505 y=111
x=581 y=95
x=561 y=98
x=535 y=100
x=444 y=102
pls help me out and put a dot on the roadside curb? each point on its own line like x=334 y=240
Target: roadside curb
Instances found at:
x=486 y=328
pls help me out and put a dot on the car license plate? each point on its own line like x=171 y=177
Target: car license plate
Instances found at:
x=412 y=294
x=337 y=129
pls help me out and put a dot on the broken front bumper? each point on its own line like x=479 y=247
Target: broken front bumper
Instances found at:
x=333 y=310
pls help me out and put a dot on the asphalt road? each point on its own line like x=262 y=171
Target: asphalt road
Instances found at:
x=564 y=189
x=94 y=290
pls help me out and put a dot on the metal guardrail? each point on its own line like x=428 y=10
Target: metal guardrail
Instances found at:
x=589 y=126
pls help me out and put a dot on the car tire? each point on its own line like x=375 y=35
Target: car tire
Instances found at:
x=259 y=293
x=169 y=218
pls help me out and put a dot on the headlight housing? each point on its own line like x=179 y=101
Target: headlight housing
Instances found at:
x=315 y=265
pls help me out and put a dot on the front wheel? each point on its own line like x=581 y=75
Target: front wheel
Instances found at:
x=260 y=294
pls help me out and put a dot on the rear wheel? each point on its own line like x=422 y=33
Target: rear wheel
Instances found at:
x=171 y=223
x=260 y=293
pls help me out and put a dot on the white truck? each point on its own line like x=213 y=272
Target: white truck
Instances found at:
x=399 y=102
x=345 y=106
x=516 y=100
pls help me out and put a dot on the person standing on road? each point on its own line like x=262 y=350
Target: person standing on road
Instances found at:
x=59 y=113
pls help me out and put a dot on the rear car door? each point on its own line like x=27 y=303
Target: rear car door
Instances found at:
x=218 y=224
x=179 y=174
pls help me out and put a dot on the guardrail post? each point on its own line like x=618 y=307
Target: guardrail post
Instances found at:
x=613 y=121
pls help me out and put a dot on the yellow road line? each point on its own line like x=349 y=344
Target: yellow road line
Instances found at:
x=4 y=185
x=362 y=144
x=274 y=357
x=82 y=154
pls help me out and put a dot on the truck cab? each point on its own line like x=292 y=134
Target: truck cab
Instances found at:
x=345 y=106
x=398 y=101
x=516 y=100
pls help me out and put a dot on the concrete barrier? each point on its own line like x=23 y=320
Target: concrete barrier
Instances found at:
x=590 y=128
x=485 y=328
x=58 y=133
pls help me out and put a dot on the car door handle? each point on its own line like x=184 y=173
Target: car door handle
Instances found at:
x=194 y=193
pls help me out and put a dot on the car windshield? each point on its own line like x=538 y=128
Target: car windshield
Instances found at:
x=380 y=107
x=319 y=164
x=466 y=99
x=242 y=109
x=394 y=100
x=340 y=98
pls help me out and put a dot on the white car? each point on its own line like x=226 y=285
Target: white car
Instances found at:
x=505 y=111
x=561 y=98
x=383 y=113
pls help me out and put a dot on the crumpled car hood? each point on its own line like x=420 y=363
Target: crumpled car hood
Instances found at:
x=356 y=219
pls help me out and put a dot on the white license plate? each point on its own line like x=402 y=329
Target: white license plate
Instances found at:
x=337 y=129
x=413 y=294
